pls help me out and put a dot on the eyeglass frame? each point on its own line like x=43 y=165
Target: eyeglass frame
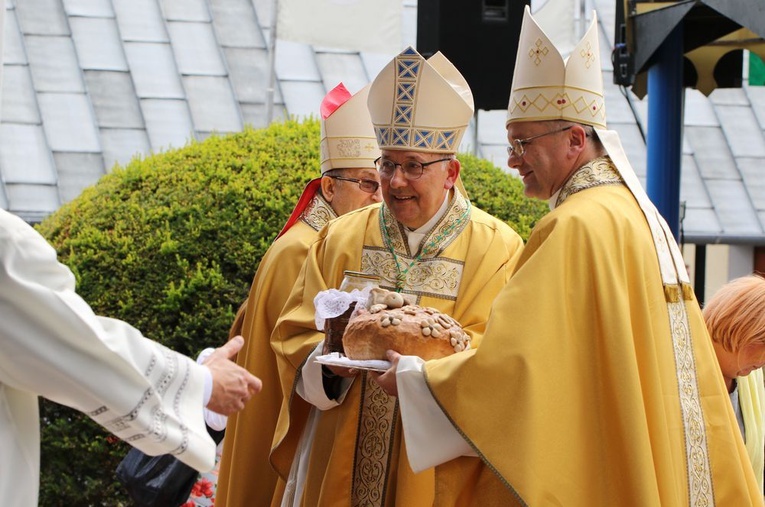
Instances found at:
x=517 y=145
x=359 y=181
x=423 y=165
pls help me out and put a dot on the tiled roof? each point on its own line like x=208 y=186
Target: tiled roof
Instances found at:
x=92 y=83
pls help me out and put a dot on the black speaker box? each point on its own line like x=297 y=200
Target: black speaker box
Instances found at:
x=480 y=37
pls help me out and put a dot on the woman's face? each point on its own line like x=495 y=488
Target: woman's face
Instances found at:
x=741 y=362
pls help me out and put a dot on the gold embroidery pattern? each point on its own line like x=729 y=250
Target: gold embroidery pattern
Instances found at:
x=600 y=171
x=699 y=473
x=377 y=423
x=538 y=51
x=317 y=213
x=439 y=277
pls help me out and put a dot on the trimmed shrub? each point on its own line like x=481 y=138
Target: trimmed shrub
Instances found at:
x=170 y=243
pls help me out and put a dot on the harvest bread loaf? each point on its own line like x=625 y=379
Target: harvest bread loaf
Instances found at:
x=390 y=322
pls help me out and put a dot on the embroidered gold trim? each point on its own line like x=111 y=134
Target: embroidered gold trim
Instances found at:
x=600 y=171
x=438 y=277
x=699 y=475
x=317 y=213
x=377 y=424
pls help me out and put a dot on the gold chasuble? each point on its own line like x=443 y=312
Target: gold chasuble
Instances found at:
x=358 y=456
x=246 y=476
x=596 y=383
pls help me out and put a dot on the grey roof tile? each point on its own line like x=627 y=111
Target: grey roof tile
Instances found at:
x=728 y=97
x=701 y=222
x=693 y=190
x=756 y=95
x=24 y=155
x=727 y=198
x=32 y=202
x=61 y=112
x=236 y=24
x=212 y=104
x=185 y=10
x=153 y=69
x=255 y=114
x=342 y=67
x=196 y=49
x=302 y=98
x=140 y=21
x=19 y=101
x=741 y=130
x=90 y=8
x=122 y=145
x=13 y=47
x=698 y=110
x=77 y=171
x=42 y=17
x=114 y=99
x=711 y=152
x=295 y=62
x=54 y=64
x=751 y=172
x=98 y=43
x=168 y=123
x=249 y=72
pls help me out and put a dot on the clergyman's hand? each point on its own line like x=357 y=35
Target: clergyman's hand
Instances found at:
x=387 y=380
x=232 y=385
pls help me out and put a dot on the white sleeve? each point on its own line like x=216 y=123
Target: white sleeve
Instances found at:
x=213 y=419
x=55 y=346
x=430 y=438
x=310 y=385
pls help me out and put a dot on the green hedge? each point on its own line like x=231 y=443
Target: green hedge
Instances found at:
x=170 y=243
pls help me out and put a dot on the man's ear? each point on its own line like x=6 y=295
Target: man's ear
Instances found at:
x=577 y=138
x=453 y=172
x=328 y=188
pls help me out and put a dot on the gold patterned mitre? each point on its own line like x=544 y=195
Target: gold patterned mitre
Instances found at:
x=547 y=87
x=347 y=136
x=420 y=105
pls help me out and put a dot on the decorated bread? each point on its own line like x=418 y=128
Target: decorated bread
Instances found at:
x=390 y=321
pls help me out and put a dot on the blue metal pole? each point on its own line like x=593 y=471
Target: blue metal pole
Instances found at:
x=665 y=129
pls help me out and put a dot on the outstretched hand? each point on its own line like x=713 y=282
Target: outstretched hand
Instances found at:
x=232 y=385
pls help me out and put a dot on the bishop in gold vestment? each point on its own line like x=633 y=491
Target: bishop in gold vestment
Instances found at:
x=605 y=389
x=426 y=240
x=348 y=149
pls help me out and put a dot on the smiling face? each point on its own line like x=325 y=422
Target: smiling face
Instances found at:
x=415 y=201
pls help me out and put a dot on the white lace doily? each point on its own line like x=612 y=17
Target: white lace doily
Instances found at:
x=332 y=303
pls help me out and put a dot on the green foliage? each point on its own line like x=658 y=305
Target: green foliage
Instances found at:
x=170 y=243
x=500 y=194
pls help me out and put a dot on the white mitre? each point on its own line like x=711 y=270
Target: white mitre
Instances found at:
x=347 y=136
x=547 y=87
x=420 y=105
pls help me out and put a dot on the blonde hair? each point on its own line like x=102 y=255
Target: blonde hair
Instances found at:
x=735 y=316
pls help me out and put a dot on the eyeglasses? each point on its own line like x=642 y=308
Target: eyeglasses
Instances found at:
x=518 y=146
x=368 y=186
x=412 y=169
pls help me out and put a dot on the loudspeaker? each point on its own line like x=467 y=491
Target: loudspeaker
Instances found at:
x=480 y=37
